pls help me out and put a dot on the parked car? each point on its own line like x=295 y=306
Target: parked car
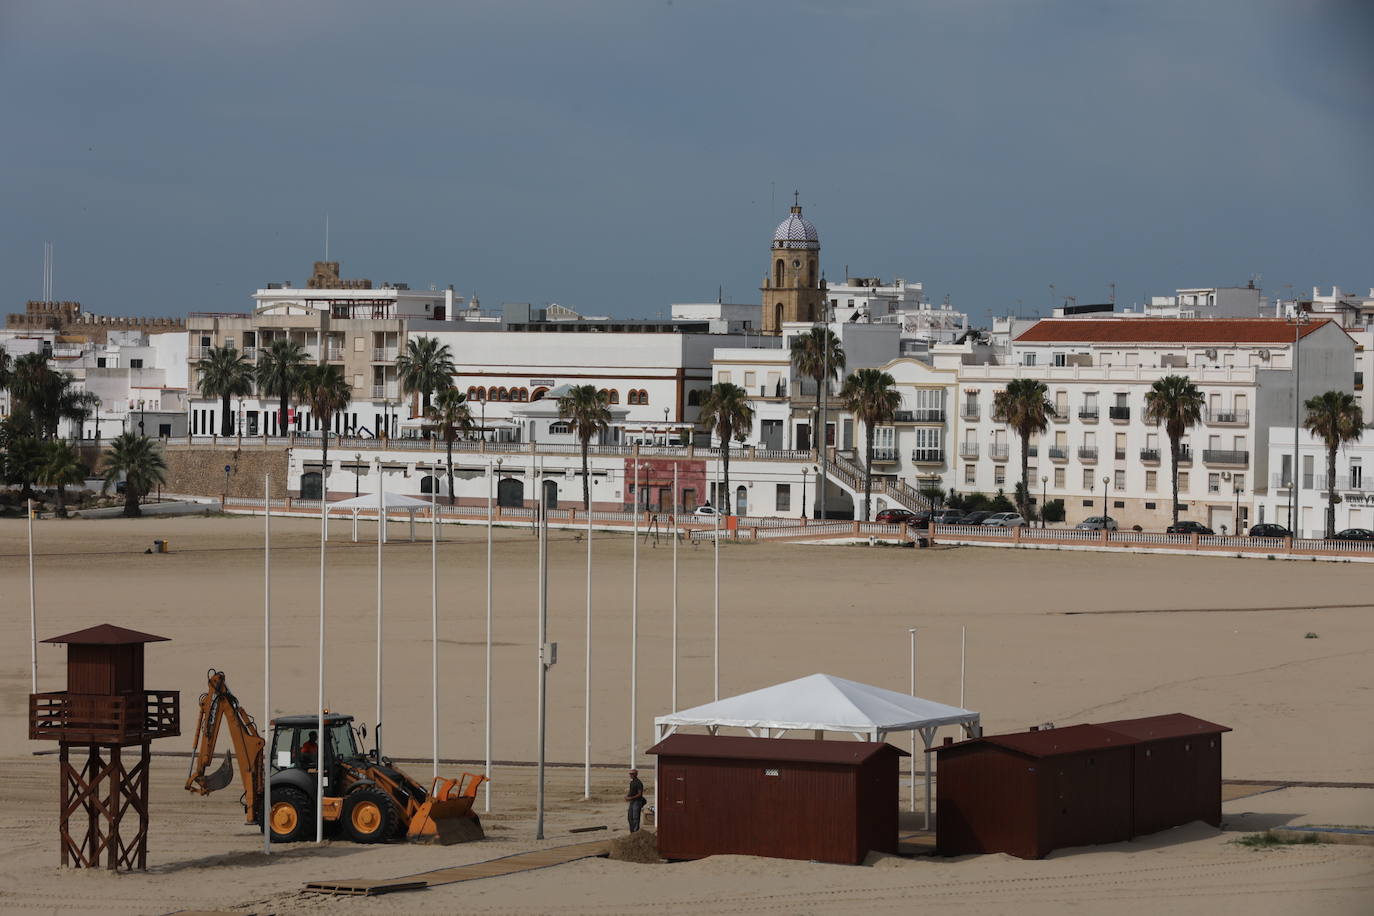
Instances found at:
x=895 y=516
x=1189 y=527
x=948 y=517
x=1097 y=523
x=1004 y=520
x=977 y=518
x=920 y=520
x=705 y=510
x=1352 y=534
x=1269 y=530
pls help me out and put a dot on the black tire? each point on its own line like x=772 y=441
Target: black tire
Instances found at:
x=292 y=816
x=369 y=815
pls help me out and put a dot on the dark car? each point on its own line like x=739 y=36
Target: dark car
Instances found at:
x=1352 y=534
x=947 y=517
x=1189 y=527
x=976 y=518
x=895 y=516
x=1269 y=530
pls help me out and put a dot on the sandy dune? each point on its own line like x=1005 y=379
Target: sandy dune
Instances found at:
x=1052 y=636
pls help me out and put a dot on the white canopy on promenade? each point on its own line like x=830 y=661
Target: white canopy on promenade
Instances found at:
x=390 y=502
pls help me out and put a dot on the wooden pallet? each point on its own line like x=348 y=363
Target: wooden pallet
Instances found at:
x=492 y=868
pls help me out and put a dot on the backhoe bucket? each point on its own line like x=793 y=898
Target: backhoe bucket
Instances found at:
x=447 y=813
x=221 y=777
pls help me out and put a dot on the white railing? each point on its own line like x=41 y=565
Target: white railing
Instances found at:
x=1206 y=543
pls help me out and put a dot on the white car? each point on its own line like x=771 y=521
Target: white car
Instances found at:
x=706 y=510
x=1004 y=520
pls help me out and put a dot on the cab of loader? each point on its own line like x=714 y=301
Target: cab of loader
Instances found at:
x=294 y=756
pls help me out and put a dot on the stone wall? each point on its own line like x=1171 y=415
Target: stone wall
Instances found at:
x=198 y=470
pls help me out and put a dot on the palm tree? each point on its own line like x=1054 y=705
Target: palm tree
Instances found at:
x=588 y=412
x=1022 y=406
x=451 y=412
x=872 y=396
x=43 y=397
x=279 y=373
x=141 y=463
x=62 y=467
x=327 y=392
x=426 y=367
x=225 y=373
x=1176 y=402
x=4 y=369
x=726 y=412
x=818 y=355
x=1335 y=417
x=23 y=458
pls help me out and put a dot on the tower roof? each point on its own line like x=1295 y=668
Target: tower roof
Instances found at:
x=796 y=232
x=106 y=634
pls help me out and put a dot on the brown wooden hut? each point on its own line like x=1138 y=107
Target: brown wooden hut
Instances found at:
x=1032 y=792
x=827 y=801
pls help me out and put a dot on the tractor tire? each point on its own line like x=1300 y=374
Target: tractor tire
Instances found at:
x=369 y=815
x=293 y=816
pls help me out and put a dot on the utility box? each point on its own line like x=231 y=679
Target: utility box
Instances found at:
x=824 y=801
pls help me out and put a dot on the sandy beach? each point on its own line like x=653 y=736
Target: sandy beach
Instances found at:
x=1052 y=636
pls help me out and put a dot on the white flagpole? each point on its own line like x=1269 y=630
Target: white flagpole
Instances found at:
x=963 y=639
x=381 y=524
x=676 y=491
x=634 y=620
x=587 y=689
x=434 y=620
x=492 y=472
x=719 y=501
x=540 y=659
x=321 y=737
x=266 y=810
x=912 y=631
x=33 y=608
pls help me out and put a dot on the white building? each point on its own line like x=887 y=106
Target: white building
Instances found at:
x=1354 y=490
x=1355 y=313
x=1209 y=302
x=870 y=299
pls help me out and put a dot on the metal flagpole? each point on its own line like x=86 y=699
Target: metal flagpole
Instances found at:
x=33 y=608
x=676 y=491
x=266 y=809
x=912 y=631
x=634 y=619
x=587 y=690
x=381 y=525
x=321 y=737
x=717 y=617
x=434 y=620
x=492 y=472
x=963 y=638
x=541 y=656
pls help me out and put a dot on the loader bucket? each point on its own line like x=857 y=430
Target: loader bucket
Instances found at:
x=221 y=777
x=447 y=815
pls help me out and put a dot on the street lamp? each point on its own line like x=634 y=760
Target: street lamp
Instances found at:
x=1044 y=482
x=1299 y=319
x=1106 y=479
x=357 y=473
x=140 y=417
x=803 y=493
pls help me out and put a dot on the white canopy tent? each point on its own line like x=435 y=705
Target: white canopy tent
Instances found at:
x=390 y=502
x=821 y=703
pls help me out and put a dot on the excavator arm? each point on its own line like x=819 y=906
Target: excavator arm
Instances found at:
x=220 y=709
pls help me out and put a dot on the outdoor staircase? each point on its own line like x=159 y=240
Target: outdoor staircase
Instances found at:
x=852 y=476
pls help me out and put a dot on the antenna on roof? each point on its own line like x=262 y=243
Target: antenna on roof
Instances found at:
x=1112 y=298
x=326 y=236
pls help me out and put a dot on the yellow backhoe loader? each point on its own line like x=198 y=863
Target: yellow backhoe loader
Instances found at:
x=366 y=795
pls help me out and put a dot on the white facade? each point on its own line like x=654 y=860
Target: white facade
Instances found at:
x=871 y=300
x=1354 y=488
x=1210 y=302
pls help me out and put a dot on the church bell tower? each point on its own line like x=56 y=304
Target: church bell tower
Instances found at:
x=793 y=289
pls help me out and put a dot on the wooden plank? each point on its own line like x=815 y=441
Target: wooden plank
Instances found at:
x=356 y=888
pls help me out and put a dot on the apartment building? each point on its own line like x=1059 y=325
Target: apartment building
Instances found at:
x=1355 y=491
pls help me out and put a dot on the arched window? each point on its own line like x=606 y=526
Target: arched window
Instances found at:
x=615 y=396
x=694 y=398
x=472 y=393
x=632 y=397
x=643 y=397
x=503 y=395
x=311 y=485
x=427 y=484
x=538 y=394
x=777 y=272
x=811 y=273
x=482 y=393
x=741 y=501
x=524 y=394
x=777 y=311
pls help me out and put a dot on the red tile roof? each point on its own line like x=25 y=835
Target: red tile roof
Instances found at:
x=1074 y=739
x=1166 y=330
x=783 y=750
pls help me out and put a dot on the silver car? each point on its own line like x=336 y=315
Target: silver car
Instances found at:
x=1097 y=523
x=1004 y=520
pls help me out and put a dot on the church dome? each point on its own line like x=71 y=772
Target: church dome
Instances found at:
x=796 y=232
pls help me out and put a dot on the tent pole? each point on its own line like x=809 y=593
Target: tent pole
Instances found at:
x=963 y=639
x=912 y=632
x=927 y=736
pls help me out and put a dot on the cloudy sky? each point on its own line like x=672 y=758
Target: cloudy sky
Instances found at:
x=620 y=156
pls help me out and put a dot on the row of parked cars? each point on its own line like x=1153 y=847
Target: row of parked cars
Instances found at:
x=1092 y=523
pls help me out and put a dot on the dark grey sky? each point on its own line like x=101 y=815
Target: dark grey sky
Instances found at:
x=619 y=156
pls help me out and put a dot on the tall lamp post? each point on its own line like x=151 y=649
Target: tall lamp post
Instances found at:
x=1299 y=319
x=1106 y=479
x=803 y=499
x=1044 y=482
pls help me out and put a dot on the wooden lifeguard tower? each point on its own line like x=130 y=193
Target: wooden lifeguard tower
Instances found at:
x=104 y=709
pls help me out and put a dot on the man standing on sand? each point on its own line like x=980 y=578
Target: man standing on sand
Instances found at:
x=636 y=799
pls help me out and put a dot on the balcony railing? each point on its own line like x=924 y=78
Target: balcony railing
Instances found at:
x=1149 y=455
x=1059 y=415
x=1088 y=414
x=1120 y=414
x=968 y=450
x=383 y=354
x=998 y=452
x=927 y=456
x=1227 y=417
x=130 y=718
x=383 y=392
x=335 y=354
x=1121 y=454
x=1222 y=456
x=970 y=412
x=881 y=453
x=928 y=414
x=1058 y=454
x=1185 y=456
x=1087 y=454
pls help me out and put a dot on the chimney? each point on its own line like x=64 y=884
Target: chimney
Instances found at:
x=948 y=740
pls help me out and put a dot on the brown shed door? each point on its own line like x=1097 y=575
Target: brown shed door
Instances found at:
x=1091 y=802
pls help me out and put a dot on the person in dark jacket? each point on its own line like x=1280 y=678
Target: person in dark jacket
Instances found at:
x=635 y=797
